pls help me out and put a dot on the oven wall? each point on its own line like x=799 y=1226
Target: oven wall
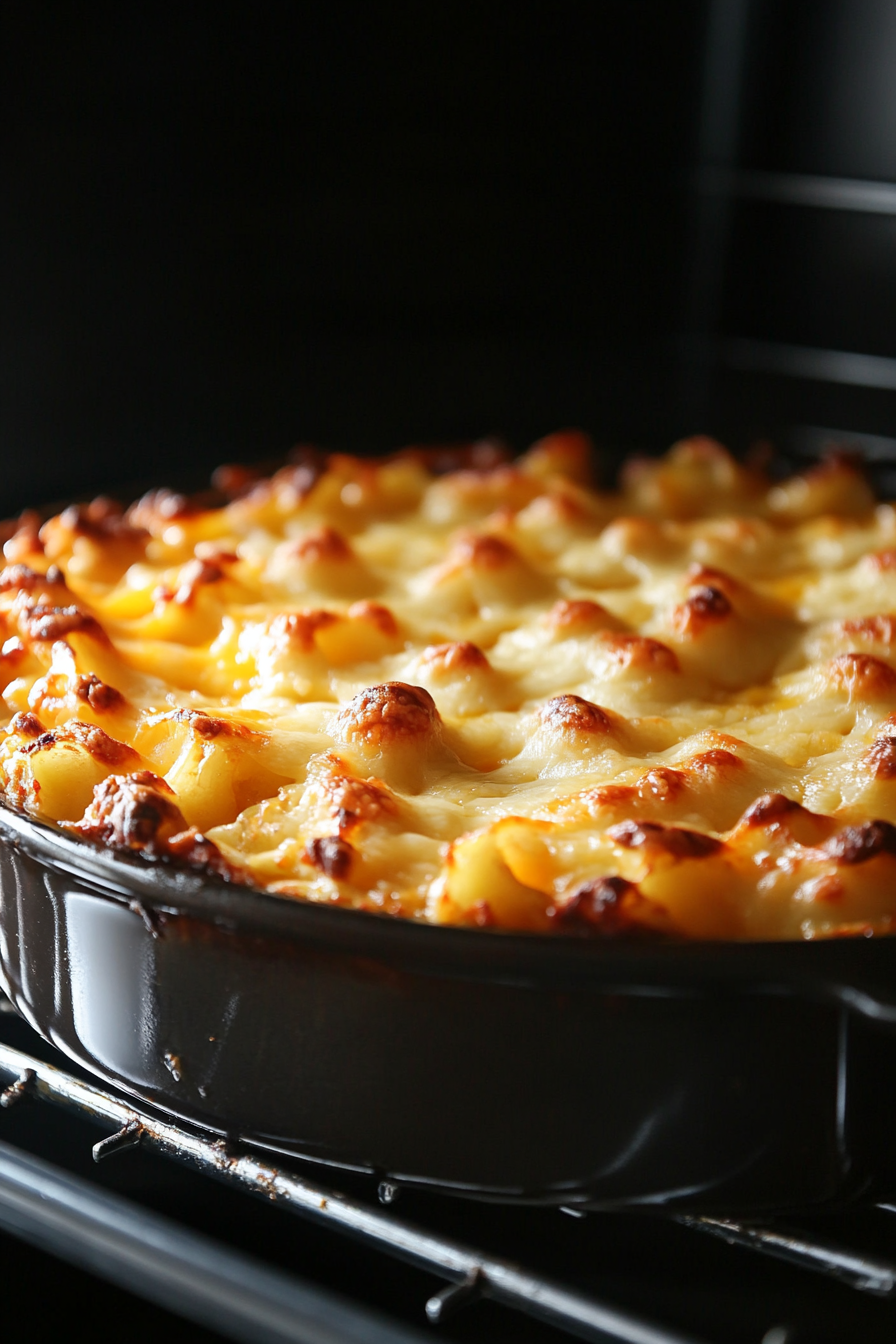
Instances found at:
x=792 y=315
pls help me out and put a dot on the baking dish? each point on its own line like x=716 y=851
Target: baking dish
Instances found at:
x=731 y=1077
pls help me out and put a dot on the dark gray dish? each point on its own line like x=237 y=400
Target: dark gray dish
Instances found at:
x=735 y=1077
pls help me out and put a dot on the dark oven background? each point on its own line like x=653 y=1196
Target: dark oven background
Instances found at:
x=369 y=225
x=365 y=226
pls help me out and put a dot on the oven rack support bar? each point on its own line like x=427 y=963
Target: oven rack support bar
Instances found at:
x=182 y=1270
x=804 y=189
x=502 y=1280
x=867 y=1273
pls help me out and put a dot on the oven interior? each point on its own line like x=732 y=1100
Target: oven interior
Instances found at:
x=644 y=219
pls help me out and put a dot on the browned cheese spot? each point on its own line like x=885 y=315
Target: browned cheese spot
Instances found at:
x=596 y=801
x=880 y=758
x=857 y=844
x=708 y=576
x=27 y=725
x=462 y=656
x=359 y=801
x=192 y=848
x=774 y=813
x=707 y=605
x=204 y=725
x=662 y=783
x=103 y=748
x=102 y=519
x=135 y=811
x=377 y=615
x=46 y=623
x=331 y=855
x=636 y=651
x=566 y=452
x=605 y=907
x=769 y=809
x=715 y=765
x=387 y=713
x=323 y=546
x=570 y=714
x=157 y=508
x=560 y=507
x=504 y=487
x=98 y=694
x=862 y=676
x=710 y=603
x=675 y=840
x=22 y=579
x=606 y=795
x=195 y=576
x=296 y=629
x=482 y=552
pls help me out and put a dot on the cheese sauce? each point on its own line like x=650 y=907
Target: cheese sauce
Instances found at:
x=494 y=696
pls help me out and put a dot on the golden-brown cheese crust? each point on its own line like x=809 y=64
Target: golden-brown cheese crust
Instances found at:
x=639 y=653
x=461 y=656
x=571 y=715
x=392 y=712
x=45 y=624
x=132 y=812
x=96 y=743
x=452 y=687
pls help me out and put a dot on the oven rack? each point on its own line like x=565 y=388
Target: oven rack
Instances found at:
x=246 y=1300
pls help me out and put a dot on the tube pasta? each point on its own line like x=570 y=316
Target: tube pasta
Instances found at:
x=454 y=688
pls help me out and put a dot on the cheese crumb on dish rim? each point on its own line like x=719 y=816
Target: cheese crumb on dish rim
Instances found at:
x=468 y=691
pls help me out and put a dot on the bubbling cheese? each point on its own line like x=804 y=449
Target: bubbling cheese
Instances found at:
x=458 y=689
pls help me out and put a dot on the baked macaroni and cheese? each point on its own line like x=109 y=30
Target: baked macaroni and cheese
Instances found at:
x=483 y=694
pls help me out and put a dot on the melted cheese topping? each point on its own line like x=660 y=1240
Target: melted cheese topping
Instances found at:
x=494 y=696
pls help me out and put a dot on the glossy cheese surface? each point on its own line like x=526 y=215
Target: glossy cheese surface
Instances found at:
x=482 y=694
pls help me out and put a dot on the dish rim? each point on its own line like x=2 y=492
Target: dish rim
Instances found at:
x=858 y=973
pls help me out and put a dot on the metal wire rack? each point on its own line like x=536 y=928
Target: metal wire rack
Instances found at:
x=246 y=1299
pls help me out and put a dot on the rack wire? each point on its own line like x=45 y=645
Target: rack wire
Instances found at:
x=470 y=1273
x=244 y=1299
